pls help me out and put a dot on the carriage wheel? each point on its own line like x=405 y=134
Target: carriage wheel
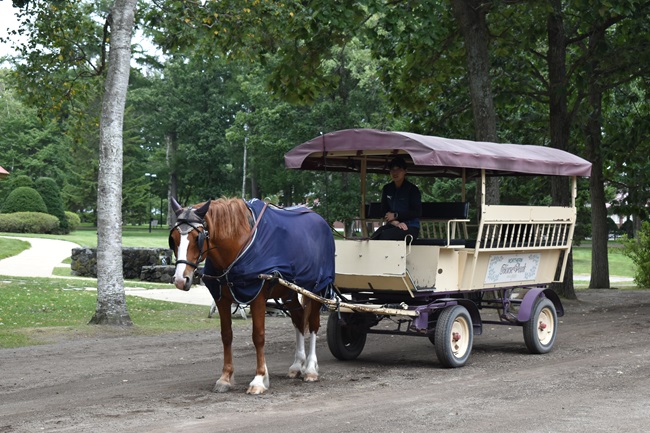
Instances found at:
x=453 y=336
x=345 y=339
x=540 y=329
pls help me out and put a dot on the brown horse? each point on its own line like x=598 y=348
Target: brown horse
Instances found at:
x=234 y=236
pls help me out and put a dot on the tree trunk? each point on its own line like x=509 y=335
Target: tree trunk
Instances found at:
x=255 y=192
x=599 y=230
x=558 y=122
x=471 y=17
x=111 y=299
x=172 y=185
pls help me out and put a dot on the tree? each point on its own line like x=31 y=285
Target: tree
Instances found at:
x=49 y=190
x=559 y=120
x=472 y=19
x=111 y=299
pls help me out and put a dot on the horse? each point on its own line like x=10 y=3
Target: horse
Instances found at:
x=239 y=240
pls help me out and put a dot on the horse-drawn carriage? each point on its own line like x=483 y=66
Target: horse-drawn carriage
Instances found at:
x=438 y=286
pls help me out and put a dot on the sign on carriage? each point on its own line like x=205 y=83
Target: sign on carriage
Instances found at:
x=510 y=268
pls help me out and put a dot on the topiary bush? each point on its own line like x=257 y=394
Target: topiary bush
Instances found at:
x=24 y=199
x=73 y=220
x=13 y=182
x=639 y=251
x=51 y=194
x=29 y=222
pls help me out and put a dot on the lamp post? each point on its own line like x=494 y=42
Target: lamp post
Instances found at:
x=151 y=177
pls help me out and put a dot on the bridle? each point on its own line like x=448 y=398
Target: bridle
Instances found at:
x=187 y=222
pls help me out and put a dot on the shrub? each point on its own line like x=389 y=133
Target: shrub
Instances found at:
x=49 y=191
x=73 y=220
x=29 y=222
x=13 y=182
x=24 y=199
x=639 y=251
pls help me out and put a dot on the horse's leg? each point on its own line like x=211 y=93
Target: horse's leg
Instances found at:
x=298 y=319
x=227 y=379
x=260 y=383
x=299 y=359
x=312 y=312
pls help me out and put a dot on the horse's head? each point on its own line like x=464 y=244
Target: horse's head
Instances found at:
x=188 y=240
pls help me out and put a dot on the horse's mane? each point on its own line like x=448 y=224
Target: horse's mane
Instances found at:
x=228 y=217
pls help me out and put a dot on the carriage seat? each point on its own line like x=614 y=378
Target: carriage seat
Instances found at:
x=441 y=223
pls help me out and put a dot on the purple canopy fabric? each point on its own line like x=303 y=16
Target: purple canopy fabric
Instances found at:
x=295 y=242
x=430 y=155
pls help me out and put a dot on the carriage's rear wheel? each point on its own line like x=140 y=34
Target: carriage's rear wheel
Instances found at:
x=346 y=337
x=454 y=336
x=541 y=328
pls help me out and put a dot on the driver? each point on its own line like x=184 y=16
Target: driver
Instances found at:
x=401 y=204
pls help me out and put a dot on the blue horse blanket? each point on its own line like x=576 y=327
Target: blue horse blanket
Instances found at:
x=295 y=242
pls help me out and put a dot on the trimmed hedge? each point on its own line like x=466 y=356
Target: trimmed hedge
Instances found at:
x=24 y=199
x=73 y=220
x=29 y=222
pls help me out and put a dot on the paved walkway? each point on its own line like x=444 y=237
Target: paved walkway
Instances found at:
x=47 y=254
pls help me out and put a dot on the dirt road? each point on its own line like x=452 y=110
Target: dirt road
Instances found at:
x=597 y=379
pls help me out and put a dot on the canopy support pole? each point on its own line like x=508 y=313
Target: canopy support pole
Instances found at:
x=362 y=211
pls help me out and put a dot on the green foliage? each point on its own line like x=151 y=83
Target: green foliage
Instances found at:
x=49 y=191
x=35 y=146
x=65 y=42
x=233 y=67
x=24 y=199
x=29 y=222
x=639 y=251
x=73 y=220
x=20 y=180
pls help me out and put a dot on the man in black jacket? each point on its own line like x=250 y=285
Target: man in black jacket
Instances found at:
x=401 y=203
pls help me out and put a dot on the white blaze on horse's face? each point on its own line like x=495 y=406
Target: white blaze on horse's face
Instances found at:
x=181 y=281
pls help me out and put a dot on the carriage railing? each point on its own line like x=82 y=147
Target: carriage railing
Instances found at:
x=517 y=227
x=533 y=235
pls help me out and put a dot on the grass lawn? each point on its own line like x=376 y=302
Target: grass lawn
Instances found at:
x=619 y=265
x=87 y=237
x=11 y=247
x=42 y=310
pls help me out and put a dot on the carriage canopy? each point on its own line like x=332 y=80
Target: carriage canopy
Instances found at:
x=347 y=150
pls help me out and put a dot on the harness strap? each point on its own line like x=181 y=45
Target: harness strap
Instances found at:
x=187 y=262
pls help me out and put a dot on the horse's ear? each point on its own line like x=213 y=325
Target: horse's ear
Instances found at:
x=177 y=208
x=203 y=209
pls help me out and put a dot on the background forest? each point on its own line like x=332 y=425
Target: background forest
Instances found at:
x=226 y=88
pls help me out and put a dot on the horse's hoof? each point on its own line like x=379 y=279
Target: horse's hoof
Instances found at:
x=255 y=390
x=222 y=387
x=294 y=374
x=311 y=377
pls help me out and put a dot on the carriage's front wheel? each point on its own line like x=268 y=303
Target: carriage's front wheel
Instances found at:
x=454 y=336
x=345 y=338
x=541 y=328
